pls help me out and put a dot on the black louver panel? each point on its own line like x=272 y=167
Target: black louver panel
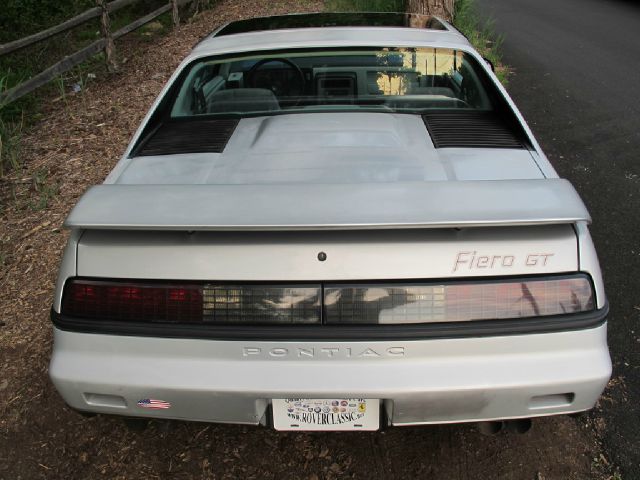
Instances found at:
x=470 y=129
x=194 y=136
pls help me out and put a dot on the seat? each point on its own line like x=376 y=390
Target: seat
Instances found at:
x=243 y=100
x=439 y=91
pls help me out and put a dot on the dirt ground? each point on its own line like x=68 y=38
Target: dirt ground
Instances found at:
x=75 y=145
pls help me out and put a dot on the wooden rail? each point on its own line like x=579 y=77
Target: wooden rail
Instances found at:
x=102 y=10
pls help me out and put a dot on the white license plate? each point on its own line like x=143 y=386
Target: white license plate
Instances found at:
x=326 y=414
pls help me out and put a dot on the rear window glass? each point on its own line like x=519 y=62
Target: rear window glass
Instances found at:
x=383 y=79
x=317 y=20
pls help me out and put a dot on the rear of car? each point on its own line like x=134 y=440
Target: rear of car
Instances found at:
x=316 y=232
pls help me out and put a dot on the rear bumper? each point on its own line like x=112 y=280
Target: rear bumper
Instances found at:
x=418 y=382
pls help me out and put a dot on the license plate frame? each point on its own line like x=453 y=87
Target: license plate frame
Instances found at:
x=326 y=414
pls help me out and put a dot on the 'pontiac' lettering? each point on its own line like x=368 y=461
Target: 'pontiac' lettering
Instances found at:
x=323 y=352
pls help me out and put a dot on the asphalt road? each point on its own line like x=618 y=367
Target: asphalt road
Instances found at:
x=577 y=82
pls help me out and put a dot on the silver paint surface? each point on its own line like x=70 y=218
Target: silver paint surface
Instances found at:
x=435 y=381
x=330 y=171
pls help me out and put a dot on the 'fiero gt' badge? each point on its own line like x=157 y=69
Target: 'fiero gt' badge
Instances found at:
x=473 y=260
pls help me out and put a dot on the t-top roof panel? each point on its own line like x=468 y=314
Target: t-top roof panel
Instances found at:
x=317 y=20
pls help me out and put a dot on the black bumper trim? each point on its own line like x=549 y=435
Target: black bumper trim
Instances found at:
x=486 y=328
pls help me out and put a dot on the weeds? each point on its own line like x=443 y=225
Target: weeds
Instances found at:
x=481 y=34
x=4 y=81
x=44 y=189
x=10 y=137
x=23 y=64
x=60 y=87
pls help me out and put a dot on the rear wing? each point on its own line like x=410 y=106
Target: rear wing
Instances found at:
x=445 y=204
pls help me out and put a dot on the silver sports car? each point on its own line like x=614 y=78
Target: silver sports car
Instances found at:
x=332 y=222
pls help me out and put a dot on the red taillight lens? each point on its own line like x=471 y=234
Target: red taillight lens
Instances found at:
x=141 y=302
x=191 y=302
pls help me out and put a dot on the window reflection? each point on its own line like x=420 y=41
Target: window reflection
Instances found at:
x=385 y=79
x=261 y=304
x=456 y=302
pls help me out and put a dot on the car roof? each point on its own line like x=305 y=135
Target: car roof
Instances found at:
x=312 y=30
x=347 y=19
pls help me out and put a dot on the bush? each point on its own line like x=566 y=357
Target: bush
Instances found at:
x=20 y=18
x=481 y=34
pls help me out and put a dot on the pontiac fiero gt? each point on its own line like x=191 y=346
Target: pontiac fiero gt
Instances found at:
x=331 y=222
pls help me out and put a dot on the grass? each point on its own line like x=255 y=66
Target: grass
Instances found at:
x=10 y=136
x=45 y=190
x=23 y=64
x=481 y=33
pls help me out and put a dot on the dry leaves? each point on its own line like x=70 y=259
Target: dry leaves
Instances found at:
x=74 y=146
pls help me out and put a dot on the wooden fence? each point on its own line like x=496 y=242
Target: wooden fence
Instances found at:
x=102 y=10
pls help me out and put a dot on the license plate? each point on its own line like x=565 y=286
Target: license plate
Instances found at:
x=326 y=414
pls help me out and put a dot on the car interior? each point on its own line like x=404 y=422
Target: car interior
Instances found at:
x=383 y=79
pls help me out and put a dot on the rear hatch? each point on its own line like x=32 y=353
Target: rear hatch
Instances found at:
x=350 y=255
x=371 y=191
x=352 y=217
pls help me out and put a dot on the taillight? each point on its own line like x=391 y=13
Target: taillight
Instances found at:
x=369 y=303
x=457 y=302
x=190 y=302
x=132 y=301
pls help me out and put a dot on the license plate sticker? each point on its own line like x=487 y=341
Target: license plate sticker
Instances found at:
x=326 y=414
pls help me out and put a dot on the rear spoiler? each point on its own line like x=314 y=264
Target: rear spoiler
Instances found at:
x=446 y=204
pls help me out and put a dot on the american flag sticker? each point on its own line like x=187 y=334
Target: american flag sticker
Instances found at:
x=154 y=404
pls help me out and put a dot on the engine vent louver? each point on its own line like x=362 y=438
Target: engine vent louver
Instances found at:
x=199 y=136
x=471 y=129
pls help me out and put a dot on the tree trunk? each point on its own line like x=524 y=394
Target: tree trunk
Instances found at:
x=440 y=8
x=105 y=30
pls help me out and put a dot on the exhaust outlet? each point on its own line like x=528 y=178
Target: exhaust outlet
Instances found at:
x=520 y=425
x=490 y=428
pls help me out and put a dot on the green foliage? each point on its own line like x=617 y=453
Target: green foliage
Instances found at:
x=481 y=33
x=10 y=136
x=365 y=5
x=20 y=18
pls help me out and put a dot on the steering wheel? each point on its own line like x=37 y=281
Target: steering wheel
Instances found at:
x=277 y=84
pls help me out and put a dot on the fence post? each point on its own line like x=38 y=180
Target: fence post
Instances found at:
x=175 y=13
x=105 y=30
